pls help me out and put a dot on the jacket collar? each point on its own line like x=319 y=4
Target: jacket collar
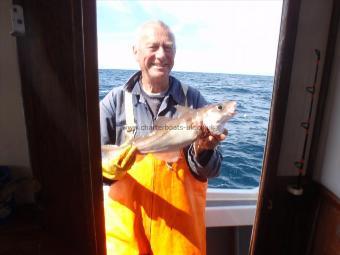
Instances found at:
x=176 y=91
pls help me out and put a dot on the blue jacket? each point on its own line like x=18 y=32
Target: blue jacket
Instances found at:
x=112 y=120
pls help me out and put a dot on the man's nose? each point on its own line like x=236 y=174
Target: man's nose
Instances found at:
x=160 y=53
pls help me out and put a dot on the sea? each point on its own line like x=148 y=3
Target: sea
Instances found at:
x=243 y=149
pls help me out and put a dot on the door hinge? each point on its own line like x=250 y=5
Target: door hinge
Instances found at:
x=18 y=22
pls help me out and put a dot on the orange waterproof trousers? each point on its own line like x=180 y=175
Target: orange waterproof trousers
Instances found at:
x=156 y=208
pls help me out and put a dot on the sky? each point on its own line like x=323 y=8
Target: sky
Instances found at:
x=236 y=37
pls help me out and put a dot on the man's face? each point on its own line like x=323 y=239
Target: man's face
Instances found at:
x=155 y=53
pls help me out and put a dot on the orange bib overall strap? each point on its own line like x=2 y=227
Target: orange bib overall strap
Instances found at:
x=156 y=208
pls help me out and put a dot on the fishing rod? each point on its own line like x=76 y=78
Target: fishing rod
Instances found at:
x=299 y=164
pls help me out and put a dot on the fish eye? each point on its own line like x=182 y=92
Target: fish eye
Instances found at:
x=219 y=107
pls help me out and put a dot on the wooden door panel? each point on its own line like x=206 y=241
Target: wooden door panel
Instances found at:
x=58 y=65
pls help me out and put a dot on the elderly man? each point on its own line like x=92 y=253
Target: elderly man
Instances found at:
x=157 y=207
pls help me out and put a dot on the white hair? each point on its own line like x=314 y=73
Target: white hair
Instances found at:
x=140 y=30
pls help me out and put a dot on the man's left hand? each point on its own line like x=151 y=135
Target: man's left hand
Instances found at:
x=208 y=141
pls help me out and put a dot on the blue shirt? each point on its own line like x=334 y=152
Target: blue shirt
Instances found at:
x=113 y=121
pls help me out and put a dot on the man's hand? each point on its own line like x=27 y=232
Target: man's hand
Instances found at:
x=208 y=141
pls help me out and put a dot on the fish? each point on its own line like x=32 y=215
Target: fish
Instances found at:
x=170 y=135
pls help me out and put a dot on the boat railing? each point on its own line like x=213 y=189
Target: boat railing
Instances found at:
x=231 y=207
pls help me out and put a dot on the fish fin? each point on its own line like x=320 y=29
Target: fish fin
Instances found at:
x=109 y=147
x=169 y=156
x=161 y=121
x=183 y=110
x=127 y=142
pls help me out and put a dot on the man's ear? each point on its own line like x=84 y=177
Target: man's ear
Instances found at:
x=135 y=52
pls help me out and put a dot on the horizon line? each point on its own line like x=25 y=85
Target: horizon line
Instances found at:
x=181 y=71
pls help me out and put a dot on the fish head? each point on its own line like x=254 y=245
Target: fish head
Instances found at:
x=215 y=116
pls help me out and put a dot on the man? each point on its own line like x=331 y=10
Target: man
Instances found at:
x=157 y=207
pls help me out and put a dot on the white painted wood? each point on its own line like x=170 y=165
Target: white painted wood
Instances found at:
x=328 y=158
x=312 y=33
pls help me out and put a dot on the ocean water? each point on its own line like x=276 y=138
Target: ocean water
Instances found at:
x=243 y=149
